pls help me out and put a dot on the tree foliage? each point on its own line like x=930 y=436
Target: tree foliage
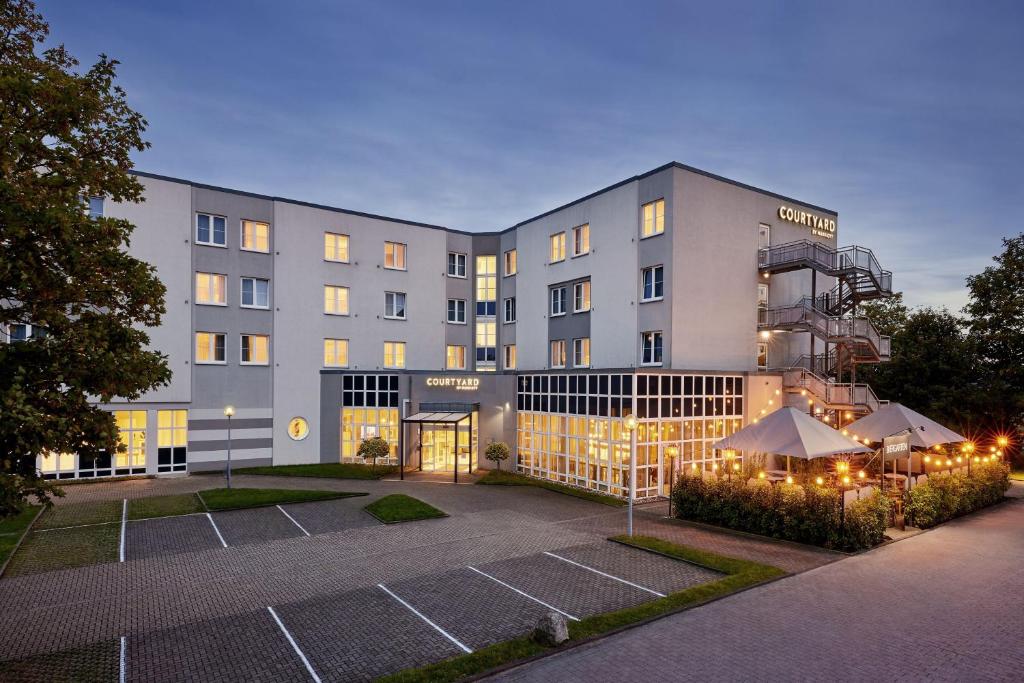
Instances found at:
x=66 y=135
x=497 y=451
x=373 y=448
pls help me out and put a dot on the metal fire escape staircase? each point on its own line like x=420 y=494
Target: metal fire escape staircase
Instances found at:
x=829 y=316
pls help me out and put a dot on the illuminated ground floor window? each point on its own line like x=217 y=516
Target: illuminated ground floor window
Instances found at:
x=172 y=440
x=359 y=424
x=131 y=429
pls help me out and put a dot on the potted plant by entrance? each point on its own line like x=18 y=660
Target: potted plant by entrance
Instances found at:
x=497 y=451
x=373 y=448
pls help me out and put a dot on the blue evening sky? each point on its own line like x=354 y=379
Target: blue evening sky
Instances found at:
x=906 y=117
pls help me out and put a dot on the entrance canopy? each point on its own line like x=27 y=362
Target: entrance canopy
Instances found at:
x=788 y=431
x=895 y=418
x=436 y=418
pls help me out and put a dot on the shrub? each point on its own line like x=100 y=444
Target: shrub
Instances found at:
x=804 y=514
x=497 y=451
x=373 y=448
x=945 y=496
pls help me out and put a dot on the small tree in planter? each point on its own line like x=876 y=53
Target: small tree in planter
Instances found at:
x=497 y=452
x=373 y=448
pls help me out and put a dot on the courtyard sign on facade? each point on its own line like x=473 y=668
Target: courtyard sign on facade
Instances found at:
x=457 y=383
x=820 y=227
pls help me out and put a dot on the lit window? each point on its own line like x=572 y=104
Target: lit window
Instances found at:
x=394 y=305
x=335 y=247
x=394 y=354
x=557 y=247
x=335 y=353
x=394 y=256
x=211 y=289
x=654 y=218
x=557 y=301
x=558 y=353
x=209 y=347
x=653 y=283
x=486 y=344
x=486 y=285
x=456 y=264
x=511 y=267
x=581 y=240
x=651 y=348
x=457 y=311
x=255 y=349
x=131 y=433
x=762 y=356
x=510 y=356
x=335 y=300
x=510 y=310
x=255 y=293
x=210 y=230
x=581 y=296
x=456 y=357
x=172 y=440
x=581 y=352
x=255 y=236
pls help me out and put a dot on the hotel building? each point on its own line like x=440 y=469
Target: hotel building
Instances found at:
x=694 y=302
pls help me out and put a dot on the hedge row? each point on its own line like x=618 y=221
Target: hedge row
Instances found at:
x=809 y=514
x=945 y=496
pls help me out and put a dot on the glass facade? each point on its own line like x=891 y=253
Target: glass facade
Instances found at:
x=570 y=428
x=369 y=408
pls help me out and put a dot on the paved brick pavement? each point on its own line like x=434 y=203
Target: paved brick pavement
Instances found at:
x=942 y=605
x=169 y=536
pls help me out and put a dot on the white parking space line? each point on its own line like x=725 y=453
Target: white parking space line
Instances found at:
x=295 y=646
x=525 y=595
x=598 y=571
x=124 y=523
x=216 y=530
x=123 y=660
x=420 y=615
x=293 y=519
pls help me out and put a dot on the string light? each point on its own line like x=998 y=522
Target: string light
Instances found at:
x=789 y=479
x=819 y=481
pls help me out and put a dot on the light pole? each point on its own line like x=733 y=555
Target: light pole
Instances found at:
x=229 y=412
x=631 y=425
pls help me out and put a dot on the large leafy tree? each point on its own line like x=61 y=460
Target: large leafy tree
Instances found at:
x=66 y=135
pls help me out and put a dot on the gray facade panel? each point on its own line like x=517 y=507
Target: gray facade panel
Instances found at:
x=236 y=445
x=234 y=423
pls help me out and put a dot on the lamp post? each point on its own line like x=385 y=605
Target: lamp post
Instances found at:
x=229 y=412
x=671 y=452
x=631 y=424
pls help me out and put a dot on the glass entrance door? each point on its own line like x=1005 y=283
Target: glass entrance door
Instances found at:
x=439 y=445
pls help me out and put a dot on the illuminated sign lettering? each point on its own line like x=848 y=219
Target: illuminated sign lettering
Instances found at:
x=820 y=227
x=455 y=382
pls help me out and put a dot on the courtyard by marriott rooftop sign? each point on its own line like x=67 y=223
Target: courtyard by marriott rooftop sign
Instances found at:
x=457 y=383
x=820 y=227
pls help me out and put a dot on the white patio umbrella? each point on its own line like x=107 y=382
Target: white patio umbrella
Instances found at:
x=895 y=418
x=788 y=431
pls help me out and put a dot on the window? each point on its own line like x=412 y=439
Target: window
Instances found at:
x=335 y=247
x=510 y=356
x=210 y=230
x=457 y=311
x=394 y=354
x=171 y=440
x=511 y=267
x=486 y=344
x=456 y=357
x=335 y=300
x=456 y=264
x=255 y=236
x=653 y=283
x=581 y=240
x=95 y=209
x=762 y=296
x=255 y=293
x=19 y=332
x=762 y=356
x=654 y=218
x=394 y=305
x=131 y=433
x=209 y=347
x=764 y=236
x=651 y=348
x=557 y=301
x=211 y=289
x=558 y=353
x=510 y=310
x=581 y=352
x=581 y=296
x=255 y=349
x=486 y=285
x=335 y=353
x=394 y=256
x=557 y=248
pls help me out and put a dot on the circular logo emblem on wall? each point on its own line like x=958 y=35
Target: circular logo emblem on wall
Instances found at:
x=298 y=428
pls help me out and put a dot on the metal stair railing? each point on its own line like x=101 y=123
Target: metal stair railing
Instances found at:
x=834 y=395
x=805 y=315
x=851 y=262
